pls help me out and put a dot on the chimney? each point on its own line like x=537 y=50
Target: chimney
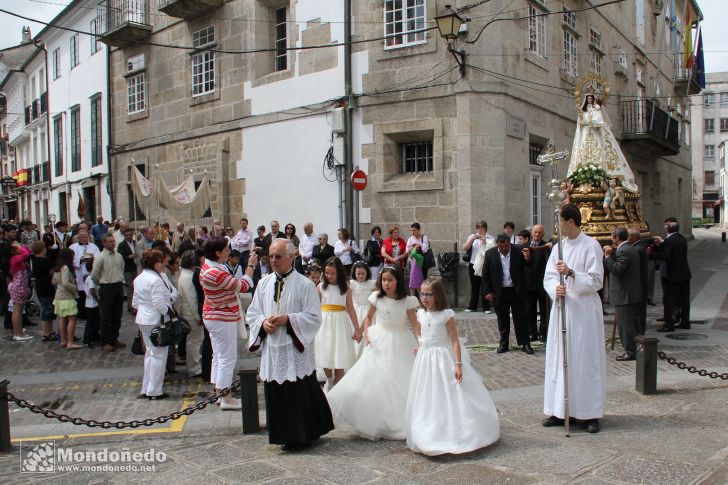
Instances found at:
x=26 y=35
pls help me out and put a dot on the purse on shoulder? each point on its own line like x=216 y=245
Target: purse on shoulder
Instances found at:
x=169 y=332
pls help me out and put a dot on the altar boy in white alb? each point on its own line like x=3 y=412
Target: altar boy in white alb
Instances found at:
x=583 y=268
x=284 y=317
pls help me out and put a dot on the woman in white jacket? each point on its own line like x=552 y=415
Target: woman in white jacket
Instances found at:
x=153 y=298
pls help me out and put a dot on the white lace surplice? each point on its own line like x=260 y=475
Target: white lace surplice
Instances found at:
x=280 y=361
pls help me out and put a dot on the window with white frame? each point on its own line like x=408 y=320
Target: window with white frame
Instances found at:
x=709 y=152
x=95 y=44
x=535 y=198
x=724 y=125
x=404 y=23
x=638 y=75
x=622 y=58
x=709 y=125
x=74 y=51
x=536 y=31
x=595 y=38
x=416 y=157
x=136 y=84
x=723 y=100
x=708 y=100
x=570 y=18
x=595 y=60
x=203 y=63
x=281 y=40
x=56 y=63
x=570 y=55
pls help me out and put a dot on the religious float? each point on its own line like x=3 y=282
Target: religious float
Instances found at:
x=599 y=180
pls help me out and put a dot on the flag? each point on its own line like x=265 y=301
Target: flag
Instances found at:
x=81 y=207
x=688 y=51
x=700 y=60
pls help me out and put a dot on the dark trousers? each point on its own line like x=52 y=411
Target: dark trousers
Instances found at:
x=477 y=297
x=510 y=303
x=244 y=256
x=628 y=324
x=111 y=303
x=91 y=332
x=206 y=355
x=81 y=304
x=677 y=293
x=538 y=304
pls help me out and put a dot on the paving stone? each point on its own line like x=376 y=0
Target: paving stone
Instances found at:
x=213 y=455
x=476 y=473
x=341 y=471
x=249 y=472
x=637 y=469
x=402 y=460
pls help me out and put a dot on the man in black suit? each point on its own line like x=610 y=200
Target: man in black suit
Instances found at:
x=636 y=242
x=274 y=234
x=504 y=282
x=625 y=289
x=673 y=251
x=538 y=300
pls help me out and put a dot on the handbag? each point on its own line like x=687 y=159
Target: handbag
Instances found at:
x=355 y=257
x=429 y=261
x=136 y=346
x=171 y=331
x=467 y=254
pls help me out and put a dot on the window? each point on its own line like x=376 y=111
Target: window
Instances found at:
x=135 y=84
x=723 y=100
x=709 y=178
x=638 y=75
x=536 y=31
x=96 y=140
x=404 y=23
x=570 y=58
x=203 y=63
x=416 y=157
x=595 y=59
x=709 y=152
x=534 y=150
x=57 y=63
x=595 y=38
x=708 y=100
x=281 y=40
x=570 y=19
x=95 y=45
x=535 y=198
x=622 y=58
x=62 y=207
x=74 y=51
x=58 y=144
x=75 y=139
x=709 y=126
x=724 y=125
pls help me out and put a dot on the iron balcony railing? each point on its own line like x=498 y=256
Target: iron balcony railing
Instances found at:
x=111 y=14
x=35 y=109
x=643 y=117
x=45 y=172
x=44 y=103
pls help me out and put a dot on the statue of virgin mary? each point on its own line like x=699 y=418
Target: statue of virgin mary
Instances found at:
x=595 y=145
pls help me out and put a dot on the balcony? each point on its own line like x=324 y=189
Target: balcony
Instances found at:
x=44 y=103
x=35 y=109
x=27 y=115
x=649 y=129
x=686 y=80
x=189 y=9
x=45 y=172
x=120 y=23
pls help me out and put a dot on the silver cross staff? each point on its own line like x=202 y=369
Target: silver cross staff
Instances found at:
x=549 y=156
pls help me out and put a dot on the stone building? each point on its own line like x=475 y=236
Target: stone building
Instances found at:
x=709 y=131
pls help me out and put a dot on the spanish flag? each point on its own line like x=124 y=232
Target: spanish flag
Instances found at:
x=688 y=50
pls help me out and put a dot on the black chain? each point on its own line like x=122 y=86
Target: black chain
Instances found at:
x=691 y=368
x=92 y=423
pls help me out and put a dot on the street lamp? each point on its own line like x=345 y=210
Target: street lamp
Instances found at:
x=448 y=23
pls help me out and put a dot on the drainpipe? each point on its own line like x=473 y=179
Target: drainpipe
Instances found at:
x=41 y=45
x=349 y=193
x=109 y=144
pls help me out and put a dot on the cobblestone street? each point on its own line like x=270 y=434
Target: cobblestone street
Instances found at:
x=677 y=436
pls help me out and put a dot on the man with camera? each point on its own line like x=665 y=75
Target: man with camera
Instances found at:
x=672 y=251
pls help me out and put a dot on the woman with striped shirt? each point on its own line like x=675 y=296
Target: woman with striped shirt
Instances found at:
x=221 y=313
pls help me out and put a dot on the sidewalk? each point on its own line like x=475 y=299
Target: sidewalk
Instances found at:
x=678 y=436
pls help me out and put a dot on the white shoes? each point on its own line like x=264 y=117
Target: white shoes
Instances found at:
x=231 y=406
x=468 y=310
x=22 y=338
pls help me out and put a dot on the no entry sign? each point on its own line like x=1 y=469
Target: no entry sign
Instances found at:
x=359 y=180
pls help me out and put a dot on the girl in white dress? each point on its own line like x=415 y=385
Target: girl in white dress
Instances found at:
x=361 y=287
x=449 y=409
x=372 y=396
x=339 y=325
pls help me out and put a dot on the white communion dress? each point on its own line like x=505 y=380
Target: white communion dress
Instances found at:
x=360 y=296
x=334 y=346
x=372 y=396
x=444 y=416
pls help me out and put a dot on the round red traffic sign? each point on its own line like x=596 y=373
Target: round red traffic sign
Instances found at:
x=359 y=180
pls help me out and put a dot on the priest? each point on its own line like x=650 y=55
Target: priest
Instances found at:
x=284 y=318
x=583 y=269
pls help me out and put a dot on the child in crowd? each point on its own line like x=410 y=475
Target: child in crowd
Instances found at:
x=91 y=332
x=449 y=409
x=333 y=344
x=361 y=287
x=233 y=264
x=313 y=271
x=42 y=270
x=372 y=396
x=65 y=299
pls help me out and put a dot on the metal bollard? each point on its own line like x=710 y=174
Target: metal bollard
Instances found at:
x=722 y=236
x=4 y=418
x=646 y=376
x=248 y=375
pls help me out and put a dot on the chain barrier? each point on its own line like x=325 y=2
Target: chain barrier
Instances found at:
x=691 y=368
x=92 y=423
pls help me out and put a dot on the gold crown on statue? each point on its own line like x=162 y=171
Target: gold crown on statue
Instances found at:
x=591 y=83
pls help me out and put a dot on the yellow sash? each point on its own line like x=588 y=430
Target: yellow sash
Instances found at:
x=333 y=308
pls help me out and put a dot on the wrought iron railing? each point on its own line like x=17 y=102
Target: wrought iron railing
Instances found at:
x=643 y=117
x=682 y=73
x=111 y=14
x=44 y=103
x=35 y=109
x=45 y=172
